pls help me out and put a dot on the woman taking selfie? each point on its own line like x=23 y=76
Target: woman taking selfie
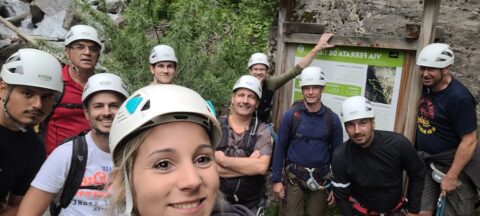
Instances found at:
x=162 y=143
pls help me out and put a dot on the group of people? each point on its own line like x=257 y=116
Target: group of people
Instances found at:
x=162 y=150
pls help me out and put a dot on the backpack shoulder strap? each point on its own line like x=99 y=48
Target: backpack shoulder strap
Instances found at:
x=75 y=174
x=250 y=138
x=297 y=111
x=329 y=125
x=224 y=125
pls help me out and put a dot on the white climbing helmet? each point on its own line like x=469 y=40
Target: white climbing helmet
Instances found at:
x=104 y=82
x=162 y=53
x=158 y=104
x=82 y=32
x=357 y=107
x=33 y=67
x=258 y=58
x=249 y=82
x=435 y=55
x=312 y=76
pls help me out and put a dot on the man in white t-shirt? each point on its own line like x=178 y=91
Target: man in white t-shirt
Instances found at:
x=102 y=96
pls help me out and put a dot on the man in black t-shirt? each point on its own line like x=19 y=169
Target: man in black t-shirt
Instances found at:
x=446 y=134
x=368 y=168
x=30 y=82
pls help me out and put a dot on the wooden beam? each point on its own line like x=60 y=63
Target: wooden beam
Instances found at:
x=284 y=13
x=412 y=31
x=388 y=43
x=404 y=91
x=427 y=35
x=311 y=28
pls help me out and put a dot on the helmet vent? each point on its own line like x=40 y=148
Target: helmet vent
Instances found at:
x=146 y=106
x=17 y=70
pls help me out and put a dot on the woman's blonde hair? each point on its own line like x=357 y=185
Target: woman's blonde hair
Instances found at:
x=124 y=158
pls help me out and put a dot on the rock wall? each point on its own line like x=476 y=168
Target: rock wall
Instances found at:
x=460 y=21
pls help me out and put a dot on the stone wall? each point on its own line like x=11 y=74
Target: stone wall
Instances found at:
x=460 y=21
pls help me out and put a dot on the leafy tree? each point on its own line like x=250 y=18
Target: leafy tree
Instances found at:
x=213 y=40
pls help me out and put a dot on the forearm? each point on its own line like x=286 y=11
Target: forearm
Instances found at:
x=227 y=173
x=464 y=153
x=246 y=165
x=274 y=83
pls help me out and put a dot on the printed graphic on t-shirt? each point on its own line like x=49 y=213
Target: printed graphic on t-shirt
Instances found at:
x=425 y=116
x=92 y=192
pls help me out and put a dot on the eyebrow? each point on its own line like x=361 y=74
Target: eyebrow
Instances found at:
x=169 y=150
x=33 y=91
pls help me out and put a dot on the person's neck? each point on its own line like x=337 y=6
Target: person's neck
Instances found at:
x=6 y=122
x=100 y=141
x=240 y=123
x=80 y=76
x=443 y=84
x=313 y=107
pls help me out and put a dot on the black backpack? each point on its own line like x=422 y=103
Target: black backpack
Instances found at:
x=76 y=172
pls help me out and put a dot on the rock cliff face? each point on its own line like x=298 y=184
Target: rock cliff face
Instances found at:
x=459 y=20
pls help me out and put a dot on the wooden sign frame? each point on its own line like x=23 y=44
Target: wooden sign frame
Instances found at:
x=290 y=34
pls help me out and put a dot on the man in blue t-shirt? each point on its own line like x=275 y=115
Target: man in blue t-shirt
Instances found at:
x=309 y=133
x=446 y=134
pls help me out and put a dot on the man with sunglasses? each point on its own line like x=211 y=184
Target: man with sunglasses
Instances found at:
x=82 y=49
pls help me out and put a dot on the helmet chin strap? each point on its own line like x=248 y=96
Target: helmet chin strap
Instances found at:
x=15 y=122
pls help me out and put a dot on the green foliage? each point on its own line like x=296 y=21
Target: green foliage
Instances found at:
x=213 y=40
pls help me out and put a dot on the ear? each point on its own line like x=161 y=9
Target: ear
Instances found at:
x=3 y=89
x=66 y=51
x=86 y=113
x=152 y=69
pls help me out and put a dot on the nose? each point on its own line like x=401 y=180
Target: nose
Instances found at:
x=37 y=102
x=245 y=99
x=107 y=110
x=189 y=178
x=357 y=128
x=310 y=90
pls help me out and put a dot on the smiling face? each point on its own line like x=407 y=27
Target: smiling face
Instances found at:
x=28 y=105
x=174 y=172
x=163 y=72
x=83 y=54
x=244 y=102
x=101 y=110
x=259 y=71
x=433 y=78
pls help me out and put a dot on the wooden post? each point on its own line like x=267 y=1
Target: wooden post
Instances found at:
x=284 y=14
x=427 y=35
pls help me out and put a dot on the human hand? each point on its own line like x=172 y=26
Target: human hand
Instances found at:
x=323 y=42
x=330 y=198
x=255 y=154
x=278 y=190
x=219 y=156
x=411 y=214
x=448 y=184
